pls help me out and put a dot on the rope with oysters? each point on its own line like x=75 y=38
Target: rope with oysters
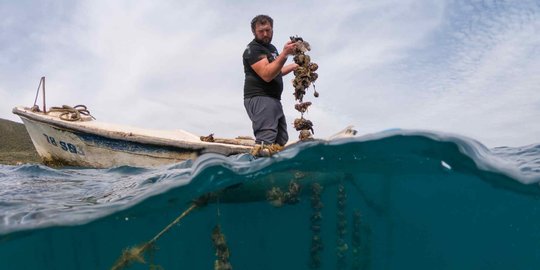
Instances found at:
x=305 y=76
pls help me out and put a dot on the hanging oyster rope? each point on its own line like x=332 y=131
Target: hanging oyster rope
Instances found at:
x=222 y=250
x=342 y=247
x=316 y=221
x=356 y=241
x=304 y=76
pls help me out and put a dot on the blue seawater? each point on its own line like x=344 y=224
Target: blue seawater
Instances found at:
x=393 y=200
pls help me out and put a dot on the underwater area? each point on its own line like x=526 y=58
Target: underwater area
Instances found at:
x=392 y=200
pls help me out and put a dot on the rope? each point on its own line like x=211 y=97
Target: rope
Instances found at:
x=193 y=206
x=218 y=213
x=136 y=254
x=69 y=113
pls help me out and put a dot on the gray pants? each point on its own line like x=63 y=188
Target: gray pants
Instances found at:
x=268 y=120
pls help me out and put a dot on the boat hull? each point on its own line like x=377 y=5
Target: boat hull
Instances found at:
x=61 y=147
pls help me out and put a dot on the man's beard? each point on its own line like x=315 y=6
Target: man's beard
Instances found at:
x=264 y=41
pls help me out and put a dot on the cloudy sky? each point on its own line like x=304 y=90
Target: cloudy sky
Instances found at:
x=469 y=67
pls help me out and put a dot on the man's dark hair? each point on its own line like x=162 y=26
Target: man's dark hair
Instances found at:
x=261 y=19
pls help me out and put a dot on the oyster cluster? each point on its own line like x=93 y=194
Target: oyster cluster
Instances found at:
x=209 y=138
x=222 y=250
x=264 y=150
x=342 y=247
x=304 y=76
x=316 y=220
x=277 y=197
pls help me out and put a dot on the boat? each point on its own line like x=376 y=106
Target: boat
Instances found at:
x=71 y=136
x=90 y=143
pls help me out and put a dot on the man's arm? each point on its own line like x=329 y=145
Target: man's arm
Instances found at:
x=268 y=71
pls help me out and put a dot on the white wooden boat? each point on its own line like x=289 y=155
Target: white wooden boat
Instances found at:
x=90 y=143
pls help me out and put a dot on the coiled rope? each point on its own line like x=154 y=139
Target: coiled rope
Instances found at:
x=69 y=113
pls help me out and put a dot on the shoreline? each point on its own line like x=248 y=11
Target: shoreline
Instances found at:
x=19 y=158
x=16 y=147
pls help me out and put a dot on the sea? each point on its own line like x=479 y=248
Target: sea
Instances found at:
x=397 y=199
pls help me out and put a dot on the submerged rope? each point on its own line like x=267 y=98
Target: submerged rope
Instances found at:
x=136 y=254
x=193 y=206
x=341 y=244
x=316 y=221
x=356 y=241
x=223 y=253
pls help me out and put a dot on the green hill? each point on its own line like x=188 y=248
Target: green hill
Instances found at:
x=15 y=144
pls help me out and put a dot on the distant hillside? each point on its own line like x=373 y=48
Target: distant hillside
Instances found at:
x=15 y=144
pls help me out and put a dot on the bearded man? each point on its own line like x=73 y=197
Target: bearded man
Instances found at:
x=263 y=85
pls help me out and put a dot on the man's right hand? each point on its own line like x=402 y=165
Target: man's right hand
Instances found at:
x=288 y=49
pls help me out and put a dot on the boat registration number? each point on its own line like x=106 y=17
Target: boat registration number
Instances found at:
x=68 y=147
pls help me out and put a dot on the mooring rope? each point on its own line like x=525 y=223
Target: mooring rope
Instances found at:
x=136 y=254
x=69 y=113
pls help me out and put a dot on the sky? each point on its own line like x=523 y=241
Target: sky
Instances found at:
x=463 y=67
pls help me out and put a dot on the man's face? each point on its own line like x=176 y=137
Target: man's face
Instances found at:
x=263 y=33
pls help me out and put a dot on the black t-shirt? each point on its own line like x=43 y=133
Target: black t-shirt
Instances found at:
x=253 y=84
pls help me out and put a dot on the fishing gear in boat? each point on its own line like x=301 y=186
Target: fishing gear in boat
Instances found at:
x=69 y=113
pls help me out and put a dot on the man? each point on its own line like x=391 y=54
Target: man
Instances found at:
x=263 y=85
